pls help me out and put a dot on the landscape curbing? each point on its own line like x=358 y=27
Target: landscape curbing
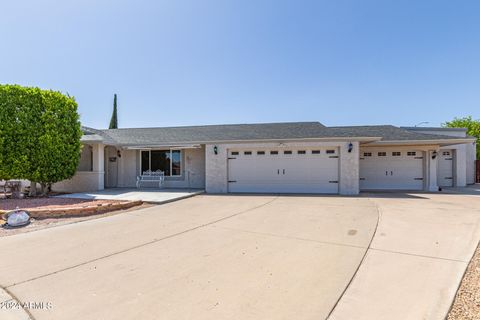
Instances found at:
x=43 y=213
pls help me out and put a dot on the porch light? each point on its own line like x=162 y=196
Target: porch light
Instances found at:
x=215 y=149
x=119 y=154
x=350 y=147
x=434 y=154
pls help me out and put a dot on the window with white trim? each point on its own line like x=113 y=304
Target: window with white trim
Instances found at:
x=301 y=152
x=168 y=161
x=367 y=154
x=247 y=153
x=411 y=153
x=315 y=151
x=382 y=154
x=396 y=154
x=330 y=151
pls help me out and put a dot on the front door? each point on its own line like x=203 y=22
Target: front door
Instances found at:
x=112 y=167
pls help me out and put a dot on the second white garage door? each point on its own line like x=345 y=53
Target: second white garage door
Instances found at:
x=390 y=169
x=294 y=170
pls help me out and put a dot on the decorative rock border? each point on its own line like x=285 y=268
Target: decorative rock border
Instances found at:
x=78 y=211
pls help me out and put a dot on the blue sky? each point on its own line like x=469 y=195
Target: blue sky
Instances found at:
x=184 y=62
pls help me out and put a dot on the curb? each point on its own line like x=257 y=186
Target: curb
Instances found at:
x=175 y=199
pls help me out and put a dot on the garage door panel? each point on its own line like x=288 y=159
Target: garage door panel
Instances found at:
x=303 y=172
x=390 y=169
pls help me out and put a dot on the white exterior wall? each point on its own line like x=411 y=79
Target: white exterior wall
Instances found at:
x=86 y=180
x=471 y=157
x=127 y=169
x=82 y=181
x=216 y=173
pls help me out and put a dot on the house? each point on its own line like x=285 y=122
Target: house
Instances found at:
x=301 y=157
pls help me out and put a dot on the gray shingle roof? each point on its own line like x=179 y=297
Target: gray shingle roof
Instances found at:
x=246 y=132
x=233 y=132
x=386 y=132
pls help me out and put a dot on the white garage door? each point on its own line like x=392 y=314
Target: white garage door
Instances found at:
x=294 y=170
x=445 y=168
x=383 y=169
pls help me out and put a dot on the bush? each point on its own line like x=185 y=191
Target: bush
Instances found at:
x=39 y=135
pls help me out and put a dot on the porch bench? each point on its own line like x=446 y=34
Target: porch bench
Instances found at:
x=151 y=176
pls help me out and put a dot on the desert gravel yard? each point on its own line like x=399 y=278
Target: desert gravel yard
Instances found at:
x=467 y=302
x=376 y=256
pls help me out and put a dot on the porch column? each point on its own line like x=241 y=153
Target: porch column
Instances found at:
x=98 y=151
x=460 y=166
x=431 y=171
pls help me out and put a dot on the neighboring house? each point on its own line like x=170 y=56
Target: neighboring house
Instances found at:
x=303 y=157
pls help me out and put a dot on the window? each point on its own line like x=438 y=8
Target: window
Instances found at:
x=168 y=161
x=315 y=151
x=287 y=152
x=446 y=153
x=382 y=154
x=247 y=153
x=367 y=154
x=330 y=151
x=411 y=153
x=261 y=153
x=234 y=153
x=301 y=152
x=273 y=152
x=396 y=154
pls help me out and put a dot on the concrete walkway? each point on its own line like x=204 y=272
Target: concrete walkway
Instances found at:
x=152 y=195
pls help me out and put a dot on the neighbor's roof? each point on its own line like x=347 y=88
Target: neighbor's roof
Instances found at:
x=251 y=132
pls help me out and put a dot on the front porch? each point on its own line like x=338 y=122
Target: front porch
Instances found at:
x=149 y=195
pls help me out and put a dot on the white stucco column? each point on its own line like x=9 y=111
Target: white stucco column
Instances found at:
x=99 y=164
x=349 y=169
x=431 y=171
x=460 y=165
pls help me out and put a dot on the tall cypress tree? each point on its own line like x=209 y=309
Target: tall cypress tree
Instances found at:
x=114 y=120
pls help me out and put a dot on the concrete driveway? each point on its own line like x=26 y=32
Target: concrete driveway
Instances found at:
x=385 y=256
x=207 y=257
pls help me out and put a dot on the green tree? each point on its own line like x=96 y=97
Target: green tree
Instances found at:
x=114 y=120
x=39 y=135
x=472 y=126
